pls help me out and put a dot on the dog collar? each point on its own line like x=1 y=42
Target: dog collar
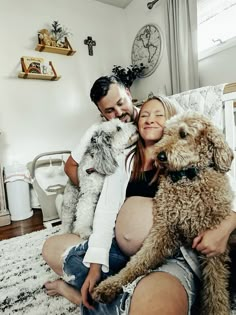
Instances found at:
x=190 y=173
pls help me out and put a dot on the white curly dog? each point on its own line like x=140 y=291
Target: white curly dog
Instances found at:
x=108 y=141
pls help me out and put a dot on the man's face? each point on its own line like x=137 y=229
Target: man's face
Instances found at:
x=117 y=104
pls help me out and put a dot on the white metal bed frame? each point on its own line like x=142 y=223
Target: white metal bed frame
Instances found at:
x=229 y=119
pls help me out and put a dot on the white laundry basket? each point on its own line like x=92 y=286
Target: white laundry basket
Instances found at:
x=17 y=179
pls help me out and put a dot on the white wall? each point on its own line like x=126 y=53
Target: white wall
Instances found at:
x=38 y=116
x=218 y=68
x=138 y=15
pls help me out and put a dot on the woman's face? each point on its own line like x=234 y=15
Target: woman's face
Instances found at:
x=151 y=121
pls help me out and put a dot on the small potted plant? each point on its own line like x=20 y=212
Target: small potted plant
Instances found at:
x=129 y=74
x=59 y=33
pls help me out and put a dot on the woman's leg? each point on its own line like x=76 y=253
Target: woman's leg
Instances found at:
x=73 y=267
x=159 y=293
x=170 y=289
x=53 y=250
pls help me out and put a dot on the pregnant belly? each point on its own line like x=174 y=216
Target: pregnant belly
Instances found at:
x=133 y=224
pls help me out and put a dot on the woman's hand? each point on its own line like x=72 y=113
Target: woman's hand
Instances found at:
x=92 y=279
x=214 y=242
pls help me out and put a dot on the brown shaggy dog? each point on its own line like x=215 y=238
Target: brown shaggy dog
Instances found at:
x=194 y=195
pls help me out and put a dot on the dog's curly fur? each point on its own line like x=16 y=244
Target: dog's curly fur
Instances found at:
x=106 y=144
x=185 y=207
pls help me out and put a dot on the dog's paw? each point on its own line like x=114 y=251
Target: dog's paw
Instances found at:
x=106 y=291
x=83 y=233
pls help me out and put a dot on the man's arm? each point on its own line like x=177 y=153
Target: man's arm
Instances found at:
x=214 y=242
x=72 y=164
x=71 y=170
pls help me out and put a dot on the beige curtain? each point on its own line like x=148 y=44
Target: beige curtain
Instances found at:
x=181 y=41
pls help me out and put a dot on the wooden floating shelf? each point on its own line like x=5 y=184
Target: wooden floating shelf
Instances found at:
x=25 y=74
x=38 y=76
x=56 y=50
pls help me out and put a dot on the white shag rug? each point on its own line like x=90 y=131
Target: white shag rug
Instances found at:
x=22 y=275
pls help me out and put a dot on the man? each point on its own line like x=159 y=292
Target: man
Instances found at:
x=113 y=100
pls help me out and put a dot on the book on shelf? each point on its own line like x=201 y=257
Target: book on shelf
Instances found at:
x=36 y=65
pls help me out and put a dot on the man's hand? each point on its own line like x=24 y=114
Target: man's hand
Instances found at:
x=92 y=279
x=214 y=242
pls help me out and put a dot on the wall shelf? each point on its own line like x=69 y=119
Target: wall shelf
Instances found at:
x=55 y=50
x=25 y=74
x=38 y=76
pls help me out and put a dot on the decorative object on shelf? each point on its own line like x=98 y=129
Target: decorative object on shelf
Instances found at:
x=90 y=42
x=147 y=48
x=55 y=40
x=58 y=34
x=151 y=4
x=37 y=68
x=33 y=64
x=129 y=74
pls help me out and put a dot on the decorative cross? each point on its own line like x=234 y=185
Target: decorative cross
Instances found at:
x=90 y=42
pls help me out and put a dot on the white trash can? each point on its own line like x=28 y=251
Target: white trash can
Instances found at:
x=17 y=179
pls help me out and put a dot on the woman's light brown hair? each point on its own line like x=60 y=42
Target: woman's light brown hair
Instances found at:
x=138 y=152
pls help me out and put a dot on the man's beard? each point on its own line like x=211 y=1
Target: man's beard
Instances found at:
x=126 y=117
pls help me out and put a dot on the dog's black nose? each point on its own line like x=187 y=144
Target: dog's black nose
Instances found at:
x=162 y=156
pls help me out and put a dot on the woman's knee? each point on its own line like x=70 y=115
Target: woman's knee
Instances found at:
x=54 y=248
x=159 y=293
x=47 y=248
x=52 y=251
x=57 y=244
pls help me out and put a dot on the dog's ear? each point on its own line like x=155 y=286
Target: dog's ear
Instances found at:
x=222 y=153
x=104 y=155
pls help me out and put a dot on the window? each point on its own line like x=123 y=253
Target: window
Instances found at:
x=216 y=23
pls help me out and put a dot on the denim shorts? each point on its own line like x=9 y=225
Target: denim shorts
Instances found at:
x=75 y=272
x=176 y=266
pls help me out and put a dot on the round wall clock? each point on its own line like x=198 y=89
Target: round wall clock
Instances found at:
x=147 y=48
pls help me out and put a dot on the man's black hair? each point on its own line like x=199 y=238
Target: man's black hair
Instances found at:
x=102 y=85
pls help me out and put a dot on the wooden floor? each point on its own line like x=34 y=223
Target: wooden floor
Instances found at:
x=17 y=228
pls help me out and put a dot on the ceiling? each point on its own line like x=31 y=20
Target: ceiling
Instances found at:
x=117 y=3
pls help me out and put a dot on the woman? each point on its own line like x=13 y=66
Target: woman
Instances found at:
x=169 y=289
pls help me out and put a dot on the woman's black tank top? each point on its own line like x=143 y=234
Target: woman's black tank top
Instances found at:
x=142 y=186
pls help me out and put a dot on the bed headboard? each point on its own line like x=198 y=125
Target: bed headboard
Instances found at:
x=218 y=102
x=229 y=119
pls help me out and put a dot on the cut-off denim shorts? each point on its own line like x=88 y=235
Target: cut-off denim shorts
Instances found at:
x=176 y=266
x=75 y=272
